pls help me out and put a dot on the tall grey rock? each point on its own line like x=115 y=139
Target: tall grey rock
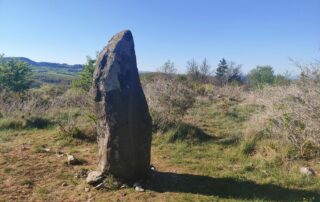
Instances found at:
x=123 y=119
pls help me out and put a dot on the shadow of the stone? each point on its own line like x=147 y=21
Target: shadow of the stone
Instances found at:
x=226 y=188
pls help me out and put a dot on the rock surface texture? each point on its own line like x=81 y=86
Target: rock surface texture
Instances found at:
x=123 y=121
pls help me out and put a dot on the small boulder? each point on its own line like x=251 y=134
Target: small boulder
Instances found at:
x=152 y=168
x=124 y=186
x=59 y=154
x=64 y=184
x=94 y=177
x=138 y=187
x=100 y=186
x=71 y=160
x=307 y=171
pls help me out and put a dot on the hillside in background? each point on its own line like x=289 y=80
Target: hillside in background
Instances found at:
x=48 y=72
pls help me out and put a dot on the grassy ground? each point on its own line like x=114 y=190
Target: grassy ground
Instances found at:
x=223 y=168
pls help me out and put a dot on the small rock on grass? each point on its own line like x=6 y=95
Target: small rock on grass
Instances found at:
x=94 y=177
x=124 y=186
x=138 y=187
x=87 y=189
x=71 y=160
x=100 y=186
x=59 y=154
x=307 y=171
x=152 y=167
x=47 y=149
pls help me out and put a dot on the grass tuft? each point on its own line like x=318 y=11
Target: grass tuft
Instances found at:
x=188 y=133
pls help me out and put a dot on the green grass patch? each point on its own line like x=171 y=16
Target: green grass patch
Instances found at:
x=186 y=133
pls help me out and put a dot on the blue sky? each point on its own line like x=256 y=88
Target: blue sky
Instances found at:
x=248 y=32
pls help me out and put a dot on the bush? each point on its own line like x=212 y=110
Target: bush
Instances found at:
x=261 y=75
x=292 y=112
x=168 y=100
x=69 y=127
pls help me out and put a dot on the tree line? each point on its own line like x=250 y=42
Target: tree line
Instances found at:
x=226 y=72
x=17 y=76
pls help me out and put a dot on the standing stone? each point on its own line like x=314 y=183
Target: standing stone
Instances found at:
x=123 y=119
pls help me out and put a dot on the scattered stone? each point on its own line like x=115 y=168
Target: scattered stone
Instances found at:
x=90 y=198
x=124 y=124
x=265 y=173
x=59 y=154
x=94 y=177
x=307 y=171
x=47 y=149
x=82 y=174
x=124 y=186
x=87 y=189
x=64 y=184
x=100 y=186
x=233 y=99
x=139 y=189
x=71 y=160
x=152 y=168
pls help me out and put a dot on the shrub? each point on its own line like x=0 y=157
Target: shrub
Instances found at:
x=168 y=100
x=292 y=113
x=69 y=127
x=261 y=75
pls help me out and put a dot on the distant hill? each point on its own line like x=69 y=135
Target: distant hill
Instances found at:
x=52 y=73
x=40 y=65
x=56 y=73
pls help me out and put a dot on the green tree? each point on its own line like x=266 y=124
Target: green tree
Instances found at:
x=222 y=69
x=86 y=76
x=15 y=75
x=261 y=75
